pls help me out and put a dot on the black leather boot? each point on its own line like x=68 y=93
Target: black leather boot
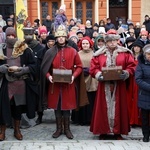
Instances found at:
x=59 y=129
x=39 y=119
x=67 y=131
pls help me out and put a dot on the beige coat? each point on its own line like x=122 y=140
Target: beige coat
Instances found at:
x=86 y=56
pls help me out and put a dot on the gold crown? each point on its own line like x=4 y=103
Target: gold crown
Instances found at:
x=61 y=31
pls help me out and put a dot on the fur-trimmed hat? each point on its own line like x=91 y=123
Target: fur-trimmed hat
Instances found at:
x=10 y=31
x=146 y=49
x=111 y=35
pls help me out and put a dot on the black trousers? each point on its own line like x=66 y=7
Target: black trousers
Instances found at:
x=61 y=113
x=145 y=122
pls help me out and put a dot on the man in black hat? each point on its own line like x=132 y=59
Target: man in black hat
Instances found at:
x=9 y=24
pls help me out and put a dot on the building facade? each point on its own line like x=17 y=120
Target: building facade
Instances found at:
x=93 y=10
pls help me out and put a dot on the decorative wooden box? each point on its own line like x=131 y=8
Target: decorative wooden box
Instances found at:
x=62 y=75
x=111 y=73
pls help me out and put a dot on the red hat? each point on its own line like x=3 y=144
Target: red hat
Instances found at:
x=112 y=31
x=111 y=35
x=86 y=38
x=73 y=34
x=144 y=32
x=42 y=29
x=82 y=26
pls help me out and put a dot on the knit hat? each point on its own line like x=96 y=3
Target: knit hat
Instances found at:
x=63 y=7
x=138 y=43
x=95 y=25
x=79 y=32
x=10 y=31
x=111 y=35
x=130 y=39
x=88 y=24
x=82 y=26
x=42 y=29
x=50 y=37
x=144 y=32
x=146 y=49
x=9 y=19
x=73 y=34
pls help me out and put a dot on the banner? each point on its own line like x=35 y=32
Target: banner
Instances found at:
x=21 y=16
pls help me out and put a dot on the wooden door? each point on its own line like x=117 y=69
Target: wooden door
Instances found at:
x=49 y=7
x=118 y=10
x=84 y=10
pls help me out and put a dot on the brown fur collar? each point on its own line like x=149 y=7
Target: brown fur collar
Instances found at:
x=19 y=48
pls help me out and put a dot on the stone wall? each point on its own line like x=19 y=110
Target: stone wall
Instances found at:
x=145 y=9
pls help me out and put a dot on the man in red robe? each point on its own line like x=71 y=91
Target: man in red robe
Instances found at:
x=110 y=113
x=60 y=96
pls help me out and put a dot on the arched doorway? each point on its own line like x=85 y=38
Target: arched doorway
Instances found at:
x=118 y=9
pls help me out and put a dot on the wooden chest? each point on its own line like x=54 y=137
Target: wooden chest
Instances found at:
x=111 y=73
x=62 y=75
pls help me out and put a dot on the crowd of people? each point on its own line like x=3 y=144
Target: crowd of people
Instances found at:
x=90 y=75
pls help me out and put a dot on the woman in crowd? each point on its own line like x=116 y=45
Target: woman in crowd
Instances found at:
x=142 y=77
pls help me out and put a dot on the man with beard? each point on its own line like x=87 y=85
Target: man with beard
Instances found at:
x=17 y=93
x=60 y=96
x=110 y=113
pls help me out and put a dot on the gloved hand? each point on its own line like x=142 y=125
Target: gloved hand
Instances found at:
x=86 y=71
x=124 y=75
x=100 y=78
x=22 y=71
x=4 y=68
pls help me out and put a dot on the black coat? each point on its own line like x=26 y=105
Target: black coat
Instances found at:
x=142 y=77
x=29 y=60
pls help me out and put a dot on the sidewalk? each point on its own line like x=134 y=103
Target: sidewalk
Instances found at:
x=40 y=138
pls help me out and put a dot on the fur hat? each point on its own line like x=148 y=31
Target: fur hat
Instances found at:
x=10 y=31
x=146 y=49
x=111 y=35
x=42 y=29
x=63 y=7
x=73 y=34
x=130 y=39
x=50 y=37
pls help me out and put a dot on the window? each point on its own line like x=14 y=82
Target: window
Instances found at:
x=49 y=7
x=84 y=10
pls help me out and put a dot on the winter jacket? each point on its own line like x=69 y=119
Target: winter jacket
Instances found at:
x=142 y=77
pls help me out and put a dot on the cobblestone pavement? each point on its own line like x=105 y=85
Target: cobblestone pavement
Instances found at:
x=40 y=138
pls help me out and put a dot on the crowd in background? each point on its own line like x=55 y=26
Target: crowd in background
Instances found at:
x=89 y=40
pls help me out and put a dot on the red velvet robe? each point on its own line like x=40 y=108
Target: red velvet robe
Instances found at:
x=135 y=118
x=69 y=59
x=99 y=124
